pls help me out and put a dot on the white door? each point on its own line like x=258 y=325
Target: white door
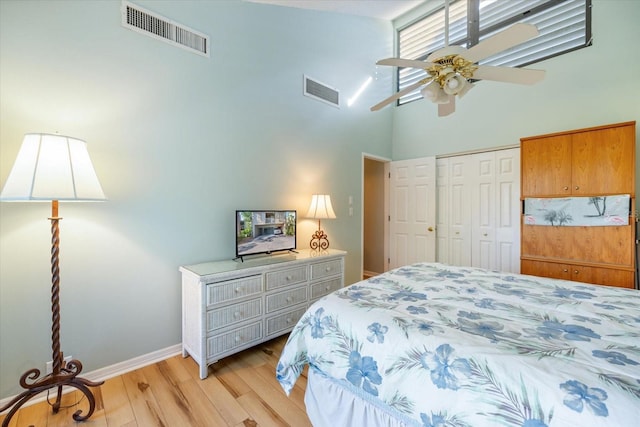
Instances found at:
x=478 y=225
x=482 y=192
x=507 y=225
x=412 y=216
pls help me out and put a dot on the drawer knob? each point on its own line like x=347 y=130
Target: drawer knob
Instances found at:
x=565 y=188
x=565 y=270
x=288 y=277
x=327 y=288
x=289 y=299
x=327 y=269
x=575 y=272
x=289 y=320
x=236 y=314
x=577 y=187
x=238 y=290
x=238 y=338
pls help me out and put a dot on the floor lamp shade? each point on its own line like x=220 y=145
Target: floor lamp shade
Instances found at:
x=52 y=167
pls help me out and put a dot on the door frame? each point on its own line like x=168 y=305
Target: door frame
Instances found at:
x=386 y=161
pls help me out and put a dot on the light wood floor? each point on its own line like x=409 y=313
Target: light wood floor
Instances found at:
x=240 y=391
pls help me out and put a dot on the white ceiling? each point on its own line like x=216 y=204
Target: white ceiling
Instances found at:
x=382 y=9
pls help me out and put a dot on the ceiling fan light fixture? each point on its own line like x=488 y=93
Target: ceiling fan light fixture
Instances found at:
x=435 y=93
x=453 y=84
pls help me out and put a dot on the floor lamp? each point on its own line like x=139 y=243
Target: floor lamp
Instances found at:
x=53 y=168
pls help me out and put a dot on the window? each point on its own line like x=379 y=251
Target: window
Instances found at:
x=564 y=25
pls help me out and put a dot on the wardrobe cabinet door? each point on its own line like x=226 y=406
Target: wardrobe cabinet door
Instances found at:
x=603 y=161
x=546 y=166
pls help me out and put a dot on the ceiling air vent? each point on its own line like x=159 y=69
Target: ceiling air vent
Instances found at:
x=321 y=92
x=153 y=25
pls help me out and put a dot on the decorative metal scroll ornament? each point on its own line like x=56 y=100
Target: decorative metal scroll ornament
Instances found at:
x=319 y=240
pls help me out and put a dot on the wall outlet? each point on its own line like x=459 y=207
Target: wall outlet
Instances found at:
x=48 y=368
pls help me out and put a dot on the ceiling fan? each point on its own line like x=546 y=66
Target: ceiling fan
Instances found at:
x=449 y=69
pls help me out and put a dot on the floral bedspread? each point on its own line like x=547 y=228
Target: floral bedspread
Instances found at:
x=453 y=346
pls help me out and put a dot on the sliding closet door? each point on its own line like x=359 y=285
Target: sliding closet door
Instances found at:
x=454 y=223
x=478 y=211
x=507 y=225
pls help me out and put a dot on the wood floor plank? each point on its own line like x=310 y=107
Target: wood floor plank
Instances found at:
x=117 y=407
x=260 y=411
x=223 y=400
x=34 y=415
x=171 y=400
x=203 y=412
x=143 y=402
x=271 y=392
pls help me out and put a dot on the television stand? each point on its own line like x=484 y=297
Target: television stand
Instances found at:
x=228 y=306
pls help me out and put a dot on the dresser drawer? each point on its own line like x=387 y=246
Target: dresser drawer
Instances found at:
x=291 y=276
x=233 y=289
x=325 y=287
x=285 y=321
x=237 y=338
x=325 y=269
x=286 y=299
x=225 y=316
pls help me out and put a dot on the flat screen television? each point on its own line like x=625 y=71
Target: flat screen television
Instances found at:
x=264 y=232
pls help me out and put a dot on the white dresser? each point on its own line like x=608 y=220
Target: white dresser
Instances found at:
x=228 y=306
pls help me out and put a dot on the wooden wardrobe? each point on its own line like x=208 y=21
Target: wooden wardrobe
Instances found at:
x=598 y=161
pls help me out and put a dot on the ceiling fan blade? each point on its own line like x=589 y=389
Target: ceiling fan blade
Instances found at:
x=503 y=40
x=399 y=62
x=523 y=76
x=399 y=94
x=448 y=108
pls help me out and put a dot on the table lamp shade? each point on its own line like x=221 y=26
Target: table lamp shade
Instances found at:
x=320 y=207
x=52 y=167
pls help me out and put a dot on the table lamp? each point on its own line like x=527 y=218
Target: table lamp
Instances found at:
x=320 y=208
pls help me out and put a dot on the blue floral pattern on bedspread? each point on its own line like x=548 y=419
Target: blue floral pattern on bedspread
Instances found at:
x=452 y=346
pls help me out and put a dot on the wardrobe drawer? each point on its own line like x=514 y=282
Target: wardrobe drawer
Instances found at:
x=284 y=321
x=286 y=299
x=236 y=313
x=291 y=276
x=233 y=289
x=237 y=338
x=325 y=287
x=325 y=269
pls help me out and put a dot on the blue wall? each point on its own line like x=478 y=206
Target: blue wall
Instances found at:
x=179 y=141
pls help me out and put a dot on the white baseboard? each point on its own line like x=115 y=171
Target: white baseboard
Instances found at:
x=114 y=370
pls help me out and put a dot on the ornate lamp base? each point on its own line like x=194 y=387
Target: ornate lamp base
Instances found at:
x=319 y=240
x=66 y=377
x=64 y=374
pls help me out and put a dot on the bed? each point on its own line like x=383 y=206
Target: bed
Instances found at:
x=436 y=345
